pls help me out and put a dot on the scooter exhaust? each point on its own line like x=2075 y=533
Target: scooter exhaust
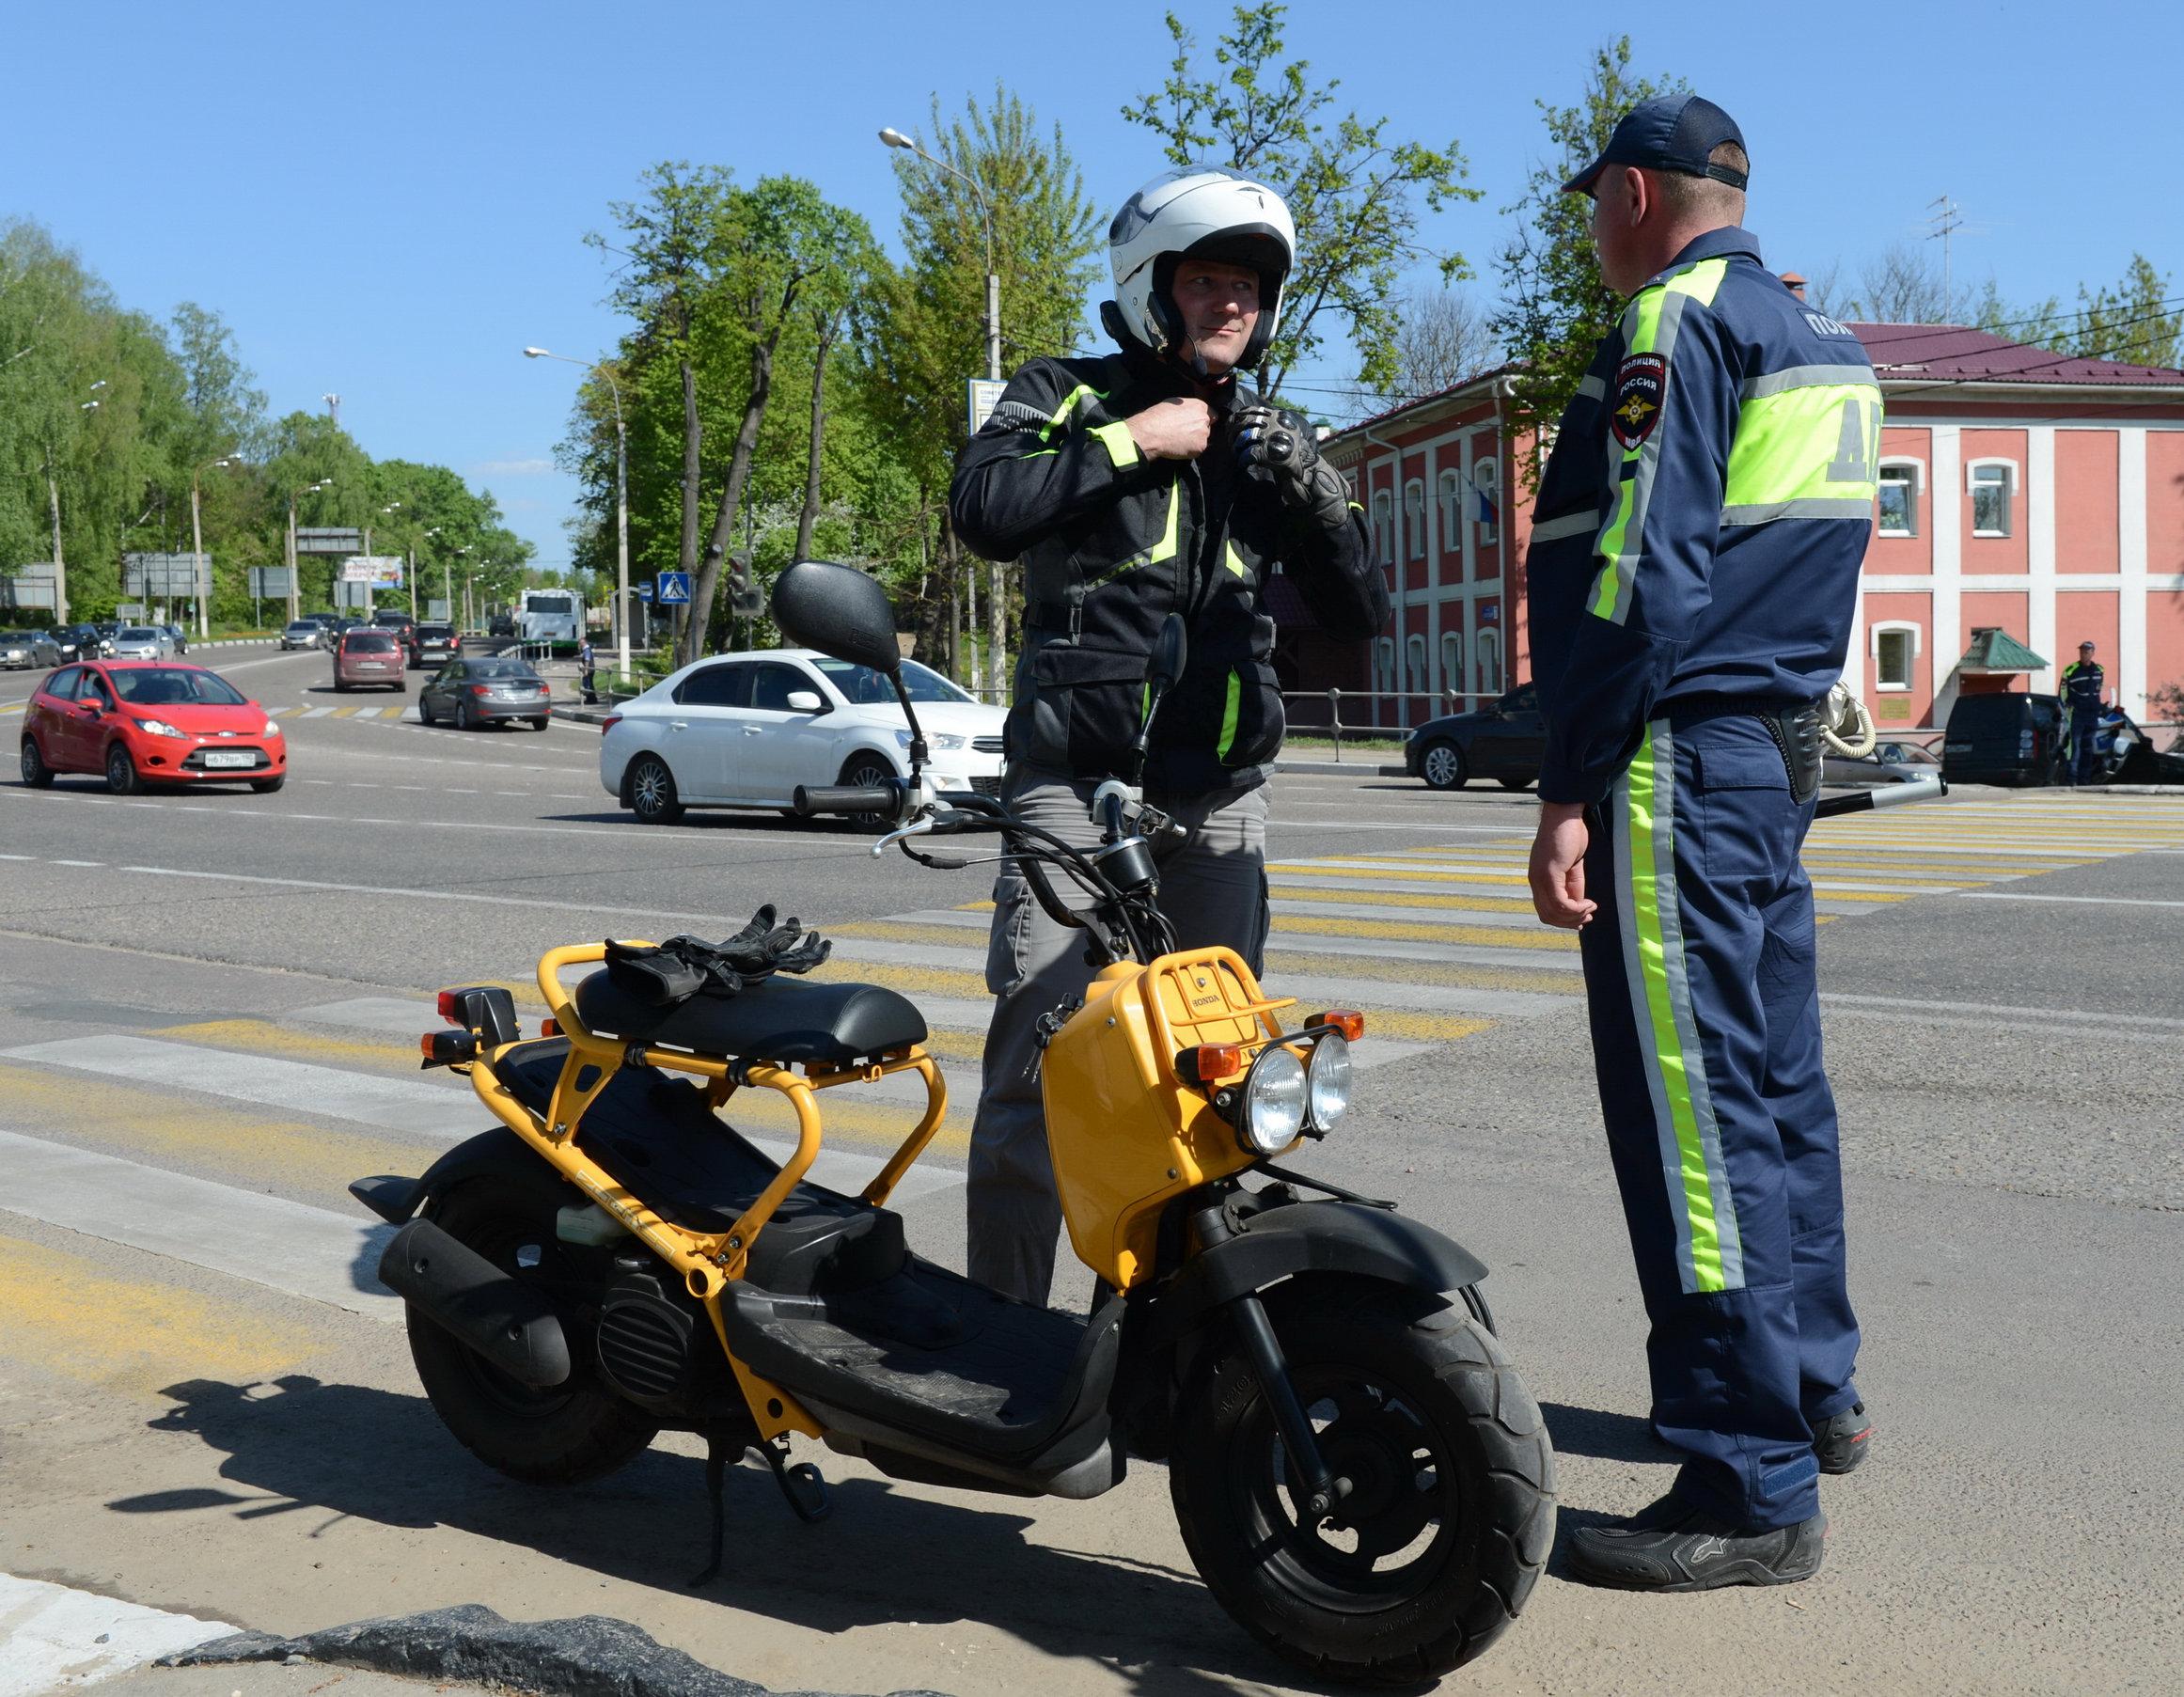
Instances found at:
x=511 y=1324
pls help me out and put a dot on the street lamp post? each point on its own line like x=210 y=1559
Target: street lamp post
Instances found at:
x=295 y=611
x=620 y=503
x=198 y=542
x=997 y=623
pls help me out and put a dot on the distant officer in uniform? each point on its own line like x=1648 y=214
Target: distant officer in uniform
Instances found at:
x=2083 y=686
x=1693 y=573
x=1130 y=487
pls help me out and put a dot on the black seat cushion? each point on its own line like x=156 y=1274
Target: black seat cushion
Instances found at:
x=779 y=1019
x=657 y=1139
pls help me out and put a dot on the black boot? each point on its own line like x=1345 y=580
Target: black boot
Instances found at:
x=1841 y=1442
x=1673 y=1545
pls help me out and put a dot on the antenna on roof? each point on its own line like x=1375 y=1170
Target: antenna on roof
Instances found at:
x=1948 y=217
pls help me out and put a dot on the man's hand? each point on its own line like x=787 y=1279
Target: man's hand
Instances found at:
x=1283 y=445
x=1557 y=865
x=1175 y=428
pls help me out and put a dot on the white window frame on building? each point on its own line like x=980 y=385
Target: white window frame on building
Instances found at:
x=1451 y=499
x=1486 y=480
x=1414 y=650
x=1414 y=518
x=1978 y=475
x=1384 y=526
x=1489 y=651
x=1909 y=475
x=1384 y=665
x=1453 y=662
x=1913 y=638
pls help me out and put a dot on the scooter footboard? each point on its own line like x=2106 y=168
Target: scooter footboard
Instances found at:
x=1314 y=1237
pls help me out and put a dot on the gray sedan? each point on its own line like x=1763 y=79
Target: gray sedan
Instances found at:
x=470 y=693
x=21 y=650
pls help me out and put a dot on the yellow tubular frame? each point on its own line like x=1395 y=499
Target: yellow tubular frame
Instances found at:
x=706 y=1260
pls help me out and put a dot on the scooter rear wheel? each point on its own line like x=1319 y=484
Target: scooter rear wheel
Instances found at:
x=1452 y=1509
x=573 y=1432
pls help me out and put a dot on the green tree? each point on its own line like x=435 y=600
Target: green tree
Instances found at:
x=1555 y=309
x=1355 y=191
x=2137 y=320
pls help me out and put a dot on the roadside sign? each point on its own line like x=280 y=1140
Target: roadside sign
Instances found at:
x=329 y=541
x=164 y=577
x=269 y=583
x=643 y=591
x=29 y=586
x=133 y=609
x=437 y=611
x=674 y=588
x=381 y=571
x=983 y=393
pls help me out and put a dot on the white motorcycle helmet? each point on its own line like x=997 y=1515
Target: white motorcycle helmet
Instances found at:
x=1206 y=213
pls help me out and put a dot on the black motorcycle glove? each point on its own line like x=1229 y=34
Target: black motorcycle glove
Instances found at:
x=1283 y=446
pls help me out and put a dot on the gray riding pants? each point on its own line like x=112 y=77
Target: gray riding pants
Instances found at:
x=1213 y=889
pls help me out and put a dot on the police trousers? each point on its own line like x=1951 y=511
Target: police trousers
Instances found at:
x=1700 y=979
x=1213 y=889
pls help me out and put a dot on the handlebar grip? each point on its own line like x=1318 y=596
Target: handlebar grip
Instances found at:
x=848 y=798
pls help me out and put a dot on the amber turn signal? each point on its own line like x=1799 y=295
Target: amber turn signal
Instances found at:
x=1209 y=1061
x=549 y=1028
x=1349 y=1021
x=446 y=1048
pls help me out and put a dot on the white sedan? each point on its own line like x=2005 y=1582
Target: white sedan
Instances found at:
x=742 y=730
x=143 y=642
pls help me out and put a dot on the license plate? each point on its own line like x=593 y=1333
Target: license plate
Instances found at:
x=229 y=757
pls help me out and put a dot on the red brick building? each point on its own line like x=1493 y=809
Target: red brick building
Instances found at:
x=2024 y=491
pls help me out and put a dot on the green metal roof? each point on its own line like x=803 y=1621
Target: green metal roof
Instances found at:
x=1998 y=651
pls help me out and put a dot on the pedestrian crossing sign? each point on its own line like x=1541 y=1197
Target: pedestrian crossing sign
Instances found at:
x=674 y=588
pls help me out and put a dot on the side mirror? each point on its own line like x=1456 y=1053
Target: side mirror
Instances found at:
x=840 y=612
x=806 y=701
x=1170 y=653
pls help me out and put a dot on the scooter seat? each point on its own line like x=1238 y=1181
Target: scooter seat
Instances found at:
x=658 y=1140
x=780 y=1020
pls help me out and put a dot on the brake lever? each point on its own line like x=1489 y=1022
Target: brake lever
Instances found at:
x=917 y=828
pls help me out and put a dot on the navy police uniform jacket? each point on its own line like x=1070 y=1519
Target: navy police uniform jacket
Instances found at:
x=1111 y=542
x=2084 y=684
x=1700 y=525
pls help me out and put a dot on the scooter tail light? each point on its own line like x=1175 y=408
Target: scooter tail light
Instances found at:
x=446 y=1008
x=1209 y=1063
x=1349 y=1021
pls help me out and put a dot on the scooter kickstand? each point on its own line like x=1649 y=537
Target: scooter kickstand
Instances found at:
x=717 y=1454
x=803 y=1485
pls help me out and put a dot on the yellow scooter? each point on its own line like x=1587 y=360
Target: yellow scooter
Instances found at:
x=1360 y=1477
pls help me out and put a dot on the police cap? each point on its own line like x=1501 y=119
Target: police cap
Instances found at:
x=1673 y=132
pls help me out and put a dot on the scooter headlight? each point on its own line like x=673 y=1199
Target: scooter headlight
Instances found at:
x=1274 y=1102
x=1328 y=1078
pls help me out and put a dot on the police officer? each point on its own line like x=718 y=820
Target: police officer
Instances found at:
x=1129 y=487
x=2083 y=686
x=1693 y=573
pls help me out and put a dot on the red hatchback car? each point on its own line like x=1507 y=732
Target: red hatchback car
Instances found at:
x=141 y=722
x=369 y=654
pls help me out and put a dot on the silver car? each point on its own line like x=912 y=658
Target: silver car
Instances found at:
x=303 y=633
x=143 y=642
x=22 y=650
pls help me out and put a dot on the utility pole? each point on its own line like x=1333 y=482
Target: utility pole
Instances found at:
x=333 y=408
x=1946 y=217
x=201 y=572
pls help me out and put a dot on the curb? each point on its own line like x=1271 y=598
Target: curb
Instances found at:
x=583 y=715
x=1340 y=768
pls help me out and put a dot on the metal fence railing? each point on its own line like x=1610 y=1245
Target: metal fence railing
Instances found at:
x=1373 y=713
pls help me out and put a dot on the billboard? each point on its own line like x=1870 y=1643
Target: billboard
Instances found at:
x=29 y=586
x=166 y=576
x=379 y=571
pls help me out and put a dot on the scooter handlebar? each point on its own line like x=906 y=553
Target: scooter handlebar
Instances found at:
x=887 y=799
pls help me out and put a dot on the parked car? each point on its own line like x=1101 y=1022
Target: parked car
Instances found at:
x=744 y=730
x=434 y=644
x=469 y=694
x=364 y=656
x=143 y=642
x=181 y=636
x=1891 y=763
x=2010 y=738
x=21 y=650
x=143 y=723
x=303 y=633
x=1506 y=741
x=81 y=642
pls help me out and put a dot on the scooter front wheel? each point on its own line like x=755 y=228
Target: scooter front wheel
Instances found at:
x=1451 y=1508
x=563 y=1435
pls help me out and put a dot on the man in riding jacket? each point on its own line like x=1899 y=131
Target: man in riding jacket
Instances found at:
x=1129 y=487
x=1692 y=578
x=2084 y=684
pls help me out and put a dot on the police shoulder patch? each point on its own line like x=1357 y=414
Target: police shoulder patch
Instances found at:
x=1641 y=387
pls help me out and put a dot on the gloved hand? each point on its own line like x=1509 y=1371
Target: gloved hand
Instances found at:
x=1283 y=444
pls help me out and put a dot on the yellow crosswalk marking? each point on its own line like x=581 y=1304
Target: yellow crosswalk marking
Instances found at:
x=266 y=1037
x=67 y=1314
x=1407 y=898
x=1487 y=936
x=344 y=713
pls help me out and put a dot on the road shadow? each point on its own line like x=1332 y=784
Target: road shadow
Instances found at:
x=885 y=1557
x=1609 y=1437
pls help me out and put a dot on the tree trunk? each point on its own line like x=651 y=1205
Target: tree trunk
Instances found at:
x=739 y=470
x=693 y=435
x=808 y=518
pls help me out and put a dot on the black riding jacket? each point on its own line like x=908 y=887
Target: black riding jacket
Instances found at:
x=1110 y=542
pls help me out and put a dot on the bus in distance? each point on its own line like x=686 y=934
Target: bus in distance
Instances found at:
x=554 y=617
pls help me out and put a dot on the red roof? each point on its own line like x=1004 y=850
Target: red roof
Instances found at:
x=1958 y=353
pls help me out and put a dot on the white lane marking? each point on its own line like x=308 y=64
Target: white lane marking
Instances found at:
x=436 y=1111
x=56 y=1637
x=1920 y=1004
x=18 y=857
x=1362 y=824
x=285 y=1246
x=79 y=863
x=317 y=712
x=2014 y=895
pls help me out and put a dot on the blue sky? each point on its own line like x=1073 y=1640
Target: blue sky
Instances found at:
x=387 y=200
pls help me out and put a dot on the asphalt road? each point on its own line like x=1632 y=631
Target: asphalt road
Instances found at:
x=207 y=1009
